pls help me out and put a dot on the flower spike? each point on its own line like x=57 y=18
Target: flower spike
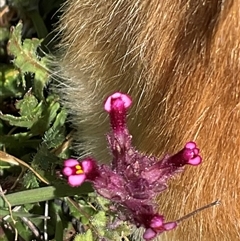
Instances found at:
x=132 y=180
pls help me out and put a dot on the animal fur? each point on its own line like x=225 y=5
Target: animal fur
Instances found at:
x=180 y=61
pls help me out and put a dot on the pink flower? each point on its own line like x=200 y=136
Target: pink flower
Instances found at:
x=117 y=101
x=157 y=226
x=77 y=172
x=191 y=154
x=132 y=180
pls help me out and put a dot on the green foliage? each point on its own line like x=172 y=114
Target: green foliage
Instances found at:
x=10 y=80
x=27 y=60
x=84 y=237
x=30 y=181
x=32 y=132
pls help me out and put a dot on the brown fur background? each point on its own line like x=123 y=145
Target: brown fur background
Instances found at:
x=179 y=60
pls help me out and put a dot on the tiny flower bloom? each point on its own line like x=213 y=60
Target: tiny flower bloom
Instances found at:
x=157 y=226
x=116 y=101
x=151 y=233
x=76 y=171
x=132 y=180
x=191 y=154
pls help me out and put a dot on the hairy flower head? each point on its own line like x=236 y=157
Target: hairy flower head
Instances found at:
x=132 y=180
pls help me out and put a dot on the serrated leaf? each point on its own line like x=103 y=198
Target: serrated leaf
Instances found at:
x=49 y=110
x=29 y=110
x=87 y=212
x=10 y=82
x=99 y=219
x=23 y=121
x=44 y=158
x=27 y=104
x=30 y=181
x=84 y=237
x=37 y=118
x=55 y=136
x=74 y=211
x=27 y=60
x=103 y=203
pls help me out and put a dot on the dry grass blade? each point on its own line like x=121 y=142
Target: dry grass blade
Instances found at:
x=13 y=160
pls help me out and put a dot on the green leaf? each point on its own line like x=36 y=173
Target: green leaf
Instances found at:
x=10 y=82
x=102 y=202
x=100 y=222
x=55 y=136
x=44 y=158
x=4 y=165
x=27 y=59
x=59 y=223
x=84 y=237
x=24 y=121
x=19 y=144
x=30 y=181
x=4 y=33
x=21 y=214
x=23 y=231
x=83 y=212
x=49 y=110
x=27 y=104
x=44 y=194
x=28 y=109
x=100 y=219
x=35 y=116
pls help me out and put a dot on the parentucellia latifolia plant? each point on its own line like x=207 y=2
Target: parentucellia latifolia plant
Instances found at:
x=132 y=180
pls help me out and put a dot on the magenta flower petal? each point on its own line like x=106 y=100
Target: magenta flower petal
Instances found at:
x=190 y=145
x=149 y=234
x=87 y=165
x=170 y=225
x=190 y=154
x=71 y=162
x=67 y=171
x=195 y=161
x=156 y=222
x=123 y=98
x=76 y=180
x=196 y=151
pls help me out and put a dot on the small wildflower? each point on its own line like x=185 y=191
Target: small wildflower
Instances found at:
x=78 y=172
x=157 y=226
x=133 y=180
